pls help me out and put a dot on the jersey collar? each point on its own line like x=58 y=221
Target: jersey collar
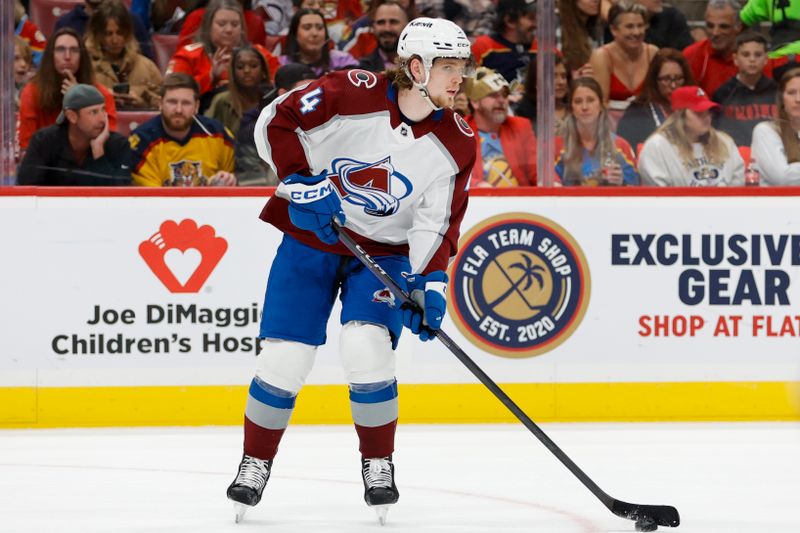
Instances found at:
x=420 y=128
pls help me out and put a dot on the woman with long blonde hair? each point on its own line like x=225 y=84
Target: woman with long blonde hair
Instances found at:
x=687 y=151
x=589 y=153
x=776 y=143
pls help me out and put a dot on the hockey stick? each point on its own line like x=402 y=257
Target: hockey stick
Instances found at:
x=647 y=517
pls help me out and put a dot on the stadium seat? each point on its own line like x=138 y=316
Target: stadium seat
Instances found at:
x=744 y=151
x=127 y=121
x=164 y=46
x=44 y=13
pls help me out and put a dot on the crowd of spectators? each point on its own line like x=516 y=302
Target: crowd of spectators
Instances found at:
x=640 y=97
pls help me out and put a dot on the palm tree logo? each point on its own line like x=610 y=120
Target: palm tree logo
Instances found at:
x=530 y=272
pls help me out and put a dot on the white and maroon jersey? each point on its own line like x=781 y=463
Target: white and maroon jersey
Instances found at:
x=403 y=186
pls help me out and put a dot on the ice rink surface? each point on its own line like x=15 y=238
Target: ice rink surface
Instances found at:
x=726 y=478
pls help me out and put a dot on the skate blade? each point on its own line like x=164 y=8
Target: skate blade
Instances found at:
x=240 y=509
x=381 y=510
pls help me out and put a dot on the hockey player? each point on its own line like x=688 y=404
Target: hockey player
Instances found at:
x=387 y=157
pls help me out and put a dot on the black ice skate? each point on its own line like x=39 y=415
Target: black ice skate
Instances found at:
x=246 y=489
x=379 y=489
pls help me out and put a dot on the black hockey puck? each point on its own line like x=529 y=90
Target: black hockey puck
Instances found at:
x=645 y=523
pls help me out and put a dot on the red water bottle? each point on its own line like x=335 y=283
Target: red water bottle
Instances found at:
x=752 y=177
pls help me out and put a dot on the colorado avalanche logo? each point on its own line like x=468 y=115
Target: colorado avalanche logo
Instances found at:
x=377 y=187
x=384 y=296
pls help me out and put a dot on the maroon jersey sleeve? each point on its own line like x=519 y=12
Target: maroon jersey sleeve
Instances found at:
x=279 y=126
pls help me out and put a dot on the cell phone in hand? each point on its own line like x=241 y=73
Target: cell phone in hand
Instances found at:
x=121 y=88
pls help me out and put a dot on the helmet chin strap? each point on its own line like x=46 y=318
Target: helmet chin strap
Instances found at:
x=423 y=87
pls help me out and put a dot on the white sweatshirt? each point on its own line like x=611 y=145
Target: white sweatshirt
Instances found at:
x=770 y=157
x=661 y=165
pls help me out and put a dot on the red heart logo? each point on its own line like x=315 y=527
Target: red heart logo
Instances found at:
x=183 y=255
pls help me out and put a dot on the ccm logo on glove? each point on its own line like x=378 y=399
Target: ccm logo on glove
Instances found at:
x=303 y=194
x=313 y=202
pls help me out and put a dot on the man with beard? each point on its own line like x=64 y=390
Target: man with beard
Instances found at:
x=506 y=148
x=510 y=48
x=180 y=148
x=79 y=149
x=389 y=21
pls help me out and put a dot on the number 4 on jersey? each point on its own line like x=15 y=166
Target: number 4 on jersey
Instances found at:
x=310 y=101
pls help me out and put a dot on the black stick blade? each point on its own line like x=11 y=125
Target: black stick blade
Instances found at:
x=663 y=515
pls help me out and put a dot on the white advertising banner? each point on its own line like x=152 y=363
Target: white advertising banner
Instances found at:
x=152 y=290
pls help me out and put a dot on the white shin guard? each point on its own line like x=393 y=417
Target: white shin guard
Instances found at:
x=285 y=364
x=366 y=353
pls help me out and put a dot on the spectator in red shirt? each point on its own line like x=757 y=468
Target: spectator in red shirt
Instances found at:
x=620 y=67
x=506 y=147
x=65 y=62
x=208 y=59
x=254 y=25
x=712 y=59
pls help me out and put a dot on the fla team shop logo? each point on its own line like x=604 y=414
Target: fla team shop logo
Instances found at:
x=519 y=285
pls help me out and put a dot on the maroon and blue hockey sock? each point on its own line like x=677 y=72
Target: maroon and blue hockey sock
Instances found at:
x=374 y=408
x=265 y=418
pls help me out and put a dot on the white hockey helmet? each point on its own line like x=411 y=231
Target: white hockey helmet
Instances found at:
x=431 y=38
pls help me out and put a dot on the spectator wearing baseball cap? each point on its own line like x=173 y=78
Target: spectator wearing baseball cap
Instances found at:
x=293 y=75
x=79 y=149
x=506 y=147
x=687 y=151
x=510 y=48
